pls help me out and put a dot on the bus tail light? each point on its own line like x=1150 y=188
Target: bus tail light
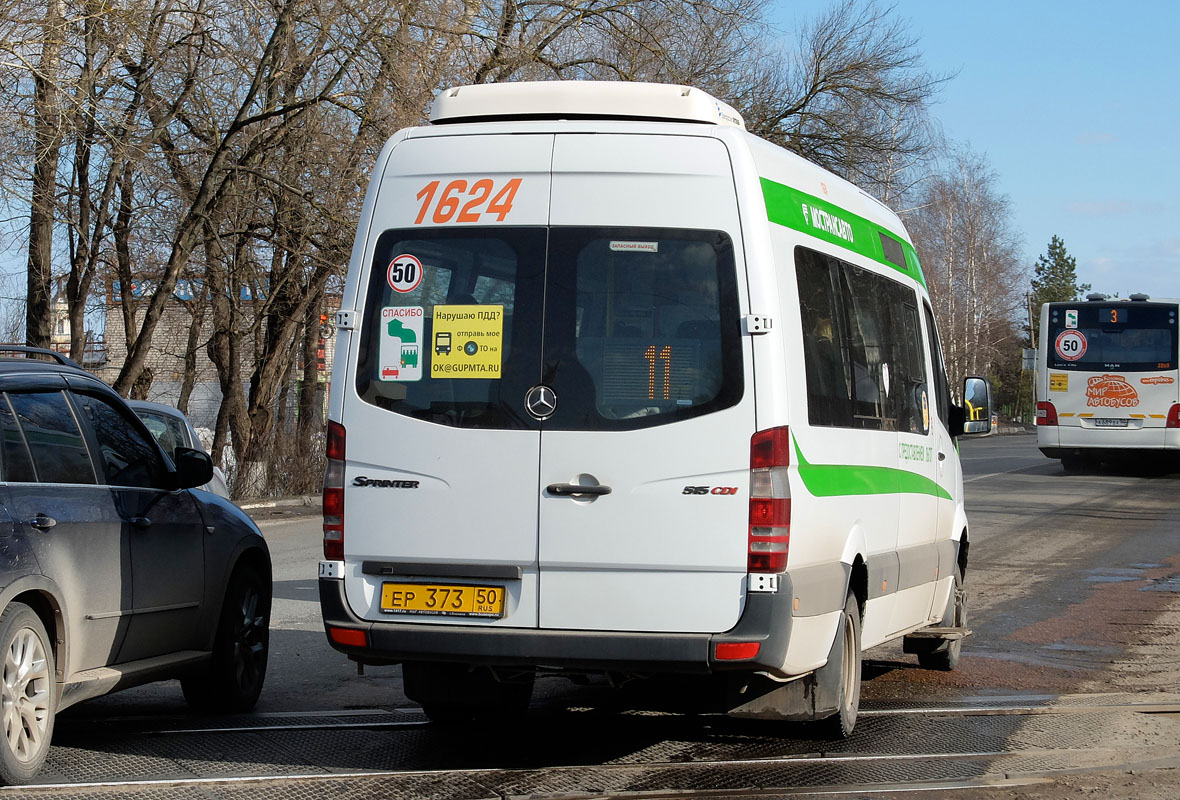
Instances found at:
x=334 y=494
x=1173 y=416
x=1046 y=413
x=770 y=501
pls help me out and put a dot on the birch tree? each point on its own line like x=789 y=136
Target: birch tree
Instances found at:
x=962 y=230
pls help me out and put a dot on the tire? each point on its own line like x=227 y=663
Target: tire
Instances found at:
x=29 y=692
x=451 y=693
x=234 y=676
x=944 y=655
x=840 y=724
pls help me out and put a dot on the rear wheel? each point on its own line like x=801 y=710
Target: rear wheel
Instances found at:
x=840 y=724
x=944 y=655
x=28 y=694
x=459 y=692
x=234 y=677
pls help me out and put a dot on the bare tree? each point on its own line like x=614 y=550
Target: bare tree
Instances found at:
x=675 y=41
x=970 y=254
x=852 y=96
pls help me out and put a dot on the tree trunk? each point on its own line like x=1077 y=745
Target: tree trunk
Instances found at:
x=47 y=138
x=189 y=379
x=311 y=419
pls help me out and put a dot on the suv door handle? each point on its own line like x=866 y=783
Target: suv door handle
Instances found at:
x=143 y=523
x=573 y=489
x=42 y=522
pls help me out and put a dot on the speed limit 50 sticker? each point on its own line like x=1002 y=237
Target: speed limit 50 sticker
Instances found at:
x=1070 y=345
x=404 y=273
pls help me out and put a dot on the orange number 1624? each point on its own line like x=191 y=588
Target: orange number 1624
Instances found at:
x=463 y=202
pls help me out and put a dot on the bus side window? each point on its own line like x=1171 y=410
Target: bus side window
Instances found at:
x=829 y=401
x=941 y=387
x=862 y=347
x=912 y=397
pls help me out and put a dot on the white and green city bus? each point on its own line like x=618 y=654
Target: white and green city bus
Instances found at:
x=1108 y=382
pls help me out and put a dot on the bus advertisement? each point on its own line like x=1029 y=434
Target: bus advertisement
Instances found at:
x=1107 y=380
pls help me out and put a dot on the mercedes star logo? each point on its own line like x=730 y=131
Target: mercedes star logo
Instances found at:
x=541 y=402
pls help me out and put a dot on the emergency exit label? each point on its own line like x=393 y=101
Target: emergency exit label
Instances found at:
x=467 y=341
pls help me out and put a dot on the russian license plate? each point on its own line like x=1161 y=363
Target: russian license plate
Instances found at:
x=1108 y=422
x=446 y=599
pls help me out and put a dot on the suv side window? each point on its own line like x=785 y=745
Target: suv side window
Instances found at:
x=18 y=464
x=48 y=425
x=128 y=457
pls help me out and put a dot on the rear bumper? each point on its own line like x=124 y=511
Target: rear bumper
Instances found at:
x=1104 y=453
x=1074 y=439
x=766 y=620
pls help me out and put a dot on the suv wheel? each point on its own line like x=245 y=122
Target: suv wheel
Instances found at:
x=233 y=679
x=28 y=694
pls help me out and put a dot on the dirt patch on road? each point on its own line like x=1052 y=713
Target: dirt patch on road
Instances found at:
x=1123 y=634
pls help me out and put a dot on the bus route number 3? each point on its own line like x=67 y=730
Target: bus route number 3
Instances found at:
x=463 y=201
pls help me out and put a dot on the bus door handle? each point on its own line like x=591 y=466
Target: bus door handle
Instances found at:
x=574 y=490
x=942 y=456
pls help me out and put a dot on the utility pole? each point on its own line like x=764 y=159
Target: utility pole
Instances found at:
x=1033 y=347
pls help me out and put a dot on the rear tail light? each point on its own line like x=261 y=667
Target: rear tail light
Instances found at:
x=1046 y=413
x=1173 y=416
x=334 y=494
x=770 y=501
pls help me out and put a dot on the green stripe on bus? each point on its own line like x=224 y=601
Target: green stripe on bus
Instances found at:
x=847 y=480
x=823 y=220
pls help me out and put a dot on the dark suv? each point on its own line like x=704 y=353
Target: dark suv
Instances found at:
x=114 y=570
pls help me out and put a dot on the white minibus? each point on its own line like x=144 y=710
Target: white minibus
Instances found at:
x=682 y=409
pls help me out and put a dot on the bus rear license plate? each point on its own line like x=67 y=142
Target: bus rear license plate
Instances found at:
x=443 y=599
x=1105 y=422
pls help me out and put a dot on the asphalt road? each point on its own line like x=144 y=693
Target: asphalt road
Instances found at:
x=1074 y=665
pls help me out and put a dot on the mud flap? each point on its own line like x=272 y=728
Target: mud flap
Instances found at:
x=812 y=697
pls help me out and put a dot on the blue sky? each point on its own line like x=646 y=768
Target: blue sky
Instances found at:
x=1076 y=106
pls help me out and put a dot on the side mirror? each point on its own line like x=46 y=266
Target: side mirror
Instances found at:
x=977 y=407
x=193 y=467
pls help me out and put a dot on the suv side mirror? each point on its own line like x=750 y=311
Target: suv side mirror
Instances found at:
x=193 y=467
x=977 y=407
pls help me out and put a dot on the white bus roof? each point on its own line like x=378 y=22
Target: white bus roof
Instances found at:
x=582 y=100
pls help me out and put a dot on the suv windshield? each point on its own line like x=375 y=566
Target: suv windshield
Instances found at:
x=637 y=327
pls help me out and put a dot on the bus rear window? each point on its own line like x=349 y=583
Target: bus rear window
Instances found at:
x=1097 y=337
x=642 y=326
